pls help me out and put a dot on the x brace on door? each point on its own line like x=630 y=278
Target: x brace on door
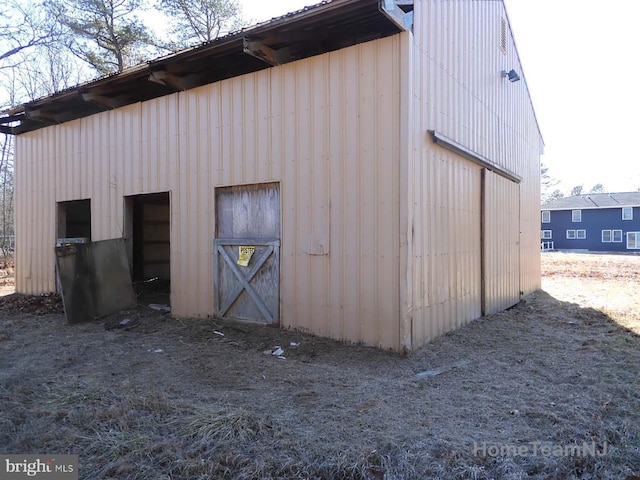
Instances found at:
x=224 y=304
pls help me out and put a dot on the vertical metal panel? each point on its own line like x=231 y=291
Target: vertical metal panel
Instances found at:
x=326 y=128
x=408 y=142
x=457 y=89
x=444 y=191
x=501 y=243
x=335 y=248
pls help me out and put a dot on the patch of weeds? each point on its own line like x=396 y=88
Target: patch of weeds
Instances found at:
x=72 y=393
x=222 y=423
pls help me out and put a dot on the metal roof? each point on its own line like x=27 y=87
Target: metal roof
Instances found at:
x=321 y=28
x=595 y=200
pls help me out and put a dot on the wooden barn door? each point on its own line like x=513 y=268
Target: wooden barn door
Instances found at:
x=247 y=253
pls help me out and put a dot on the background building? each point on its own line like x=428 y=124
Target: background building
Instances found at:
x=596 y=222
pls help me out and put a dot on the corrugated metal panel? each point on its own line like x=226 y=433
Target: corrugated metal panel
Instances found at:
x=501 y=243
x=326 y=128
x=457 y=49
x=445 y=245
x=35 y=199
x=457 y=89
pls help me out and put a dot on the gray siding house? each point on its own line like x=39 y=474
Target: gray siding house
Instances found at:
x=601 y=222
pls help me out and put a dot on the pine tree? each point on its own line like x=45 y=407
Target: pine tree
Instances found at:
x=107 y=34
x=198 y=21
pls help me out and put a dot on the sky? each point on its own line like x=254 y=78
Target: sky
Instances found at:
x=580 y=62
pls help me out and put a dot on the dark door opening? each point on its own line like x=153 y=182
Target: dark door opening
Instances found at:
x=74 y=219
x=148 y=227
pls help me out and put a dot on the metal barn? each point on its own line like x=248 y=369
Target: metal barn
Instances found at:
x=378 y=159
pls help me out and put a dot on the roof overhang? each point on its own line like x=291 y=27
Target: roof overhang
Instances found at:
x=322 y=28
x=604 y=207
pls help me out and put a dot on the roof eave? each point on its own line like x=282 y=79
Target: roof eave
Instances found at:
x=311 y=31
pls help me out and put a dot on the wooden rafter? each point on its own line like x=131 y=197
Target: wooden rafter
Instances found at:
x=168 y=79
x=258 y=49
x=98 y=99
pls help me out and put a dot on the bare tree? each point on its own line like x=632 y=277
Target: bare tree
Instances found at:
x=577 y=190
x=555 y=195
x=47 y=70
x=32 y=66
x=6 y=196
x=107 y=34
x=197 y=21
x=23 y=26
x=547 y=182
x=597 y=188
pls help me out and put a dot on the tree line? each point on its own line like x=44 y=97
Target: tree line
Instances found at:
x=49 y=45
x=549 y=192
x=106 y=36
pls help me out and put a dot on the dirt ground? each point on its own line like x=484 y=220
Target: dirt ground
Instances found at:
x=547 y=390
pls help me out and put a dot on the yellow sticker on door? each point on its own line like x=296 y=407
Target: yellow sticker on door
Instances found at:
x=244 y=254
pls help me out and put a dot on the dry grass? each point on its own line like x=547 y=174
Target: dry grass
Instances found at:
x=605 y=282
x=171 y=399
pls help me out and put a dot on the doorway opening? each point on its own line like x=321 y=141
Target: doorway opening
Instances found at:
x=74 y=220
x=148 y=229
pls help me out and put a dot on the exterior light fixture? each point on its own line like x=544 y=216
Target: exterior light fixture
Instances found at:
x=512 y=75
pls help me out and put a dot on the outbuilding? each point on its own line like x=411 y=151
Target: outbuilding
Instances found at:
x=365 y=170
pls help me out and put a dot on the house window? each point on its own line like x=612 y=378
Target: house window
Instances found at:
x=633 y=240
x=616 y=236
x=545 y=234
x=576 y=215
x=581 y=234
x=546 y=216
x=571 y=234
x=609 y=236
x=627 y=213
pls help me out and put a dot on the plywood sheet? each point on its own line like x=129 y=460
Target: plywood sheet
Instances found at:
x=95 y=279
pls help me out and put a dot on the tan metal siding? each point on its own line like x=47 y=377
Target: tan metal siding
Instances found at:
x=458 y=55
x=34 y=199
x=457 y=90
x=444 y=234
x=326 y=128
x=501 y=275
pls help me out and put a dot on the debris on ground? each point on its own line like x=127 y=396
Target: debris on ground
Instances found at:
x=159 y=307
x=45 y=304
x=446 y=368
